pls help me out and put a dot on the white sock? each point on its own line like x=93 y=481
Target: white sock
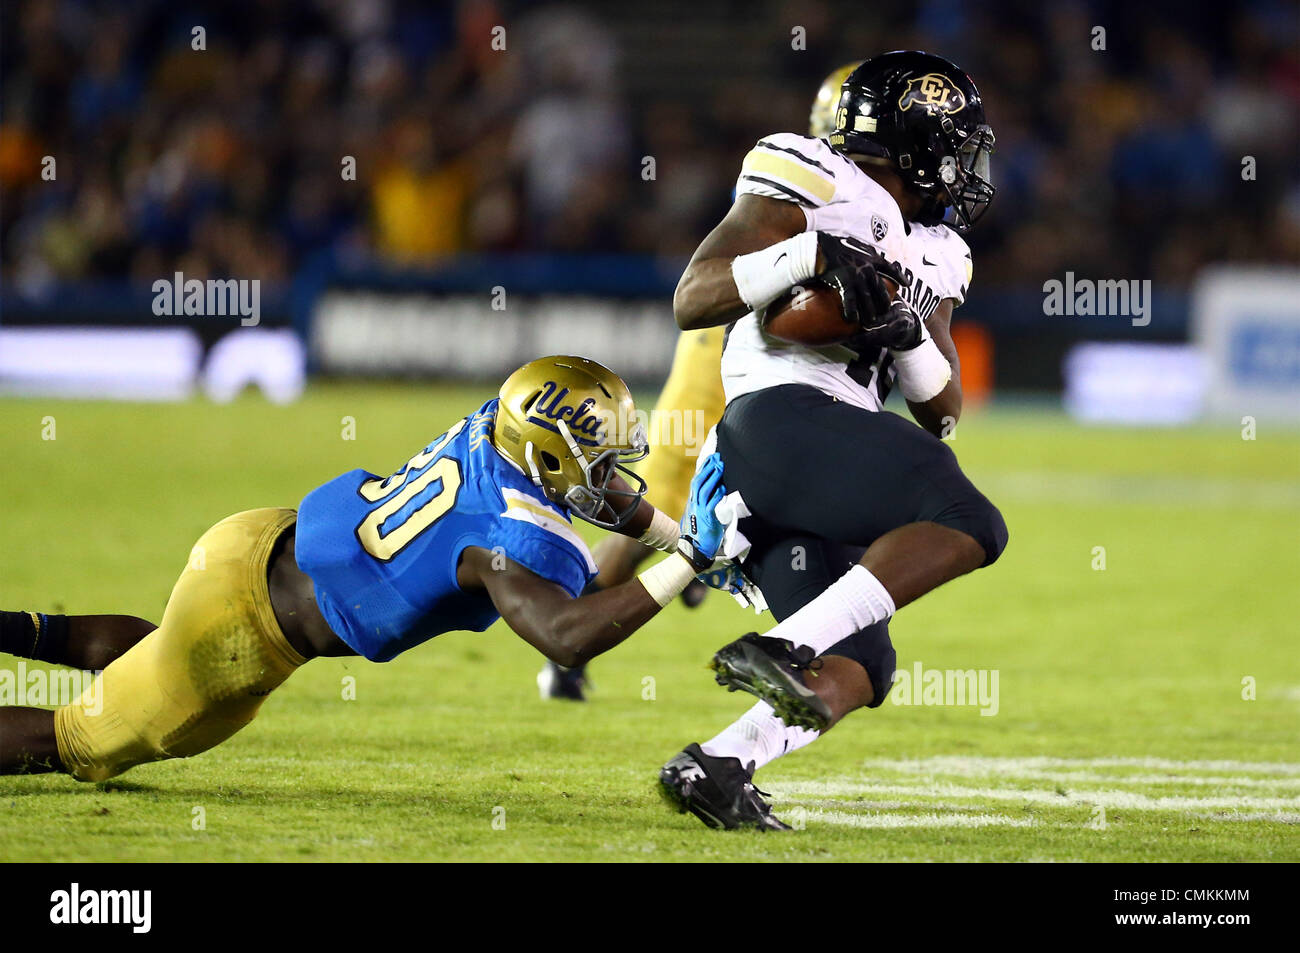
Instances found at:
x=758 y=736
x=849 y=604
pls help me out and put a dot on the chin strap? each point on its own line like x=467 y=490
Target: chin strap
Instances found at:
x=574 y=449
x=532 y=464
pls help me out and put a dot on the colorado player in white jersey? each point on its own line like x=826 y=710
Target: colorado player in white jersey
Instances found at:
x=855 y=511
x=839 y=199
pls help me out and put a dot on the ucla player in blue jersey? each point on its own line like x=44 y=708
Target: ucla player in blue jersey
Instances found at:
x=472 y=528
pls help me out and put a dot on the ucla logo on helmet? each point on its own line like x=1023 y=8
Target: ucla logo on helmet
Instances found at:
x=580 y=421
x=932 y=91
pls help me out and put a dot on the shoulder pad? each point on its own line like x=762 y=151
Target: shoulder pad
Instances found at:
x=794 y=168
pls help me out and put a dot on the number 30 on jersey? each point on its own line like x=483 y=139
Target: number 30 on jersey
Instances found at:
x=397 y=491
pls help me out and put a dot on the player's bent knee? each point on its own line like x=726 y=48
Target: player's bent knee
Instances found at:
x=874 y=651
x=994 y=534
x=979 y=519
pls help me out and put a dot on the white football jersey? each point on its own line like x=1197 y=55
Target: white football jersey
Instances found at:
x=839 y=198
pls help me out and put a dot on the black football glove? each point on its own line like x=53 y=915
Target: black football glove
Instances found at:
x=898 y=329
x=854 y=271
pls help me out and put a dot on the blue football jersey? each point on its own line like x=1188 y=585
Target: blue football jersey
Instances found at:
x=383 y=552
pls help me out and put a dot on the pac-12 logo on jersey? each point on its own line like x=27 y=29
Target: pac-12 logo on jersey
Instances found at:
x=879 y=228
x=932 y=91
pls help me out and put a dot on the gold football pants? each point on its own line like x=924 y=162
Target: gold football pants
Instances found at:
x=202 y=674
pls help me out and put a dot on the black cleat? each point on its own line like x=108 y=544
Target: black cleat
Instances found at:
x=556 y=681
x=773 y=670
x=719 y=791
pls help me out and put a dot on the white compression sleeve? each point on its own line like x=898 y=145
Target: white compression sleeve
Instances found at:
x=923 y=372
x=763 y=276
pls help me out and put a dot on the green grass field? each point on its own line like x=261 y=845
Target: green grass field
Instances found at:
x=1149 y=711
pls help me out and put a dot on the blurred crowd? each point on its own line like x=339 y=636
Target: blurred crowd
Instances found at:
x=414 y=131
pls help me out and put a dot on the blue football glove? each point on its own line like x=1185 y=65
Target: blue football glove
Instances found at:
x=701 y=529
x=729 y=577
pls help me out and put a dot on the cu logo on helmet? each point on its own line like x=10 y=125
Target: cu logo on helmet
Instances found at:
x=932 y=91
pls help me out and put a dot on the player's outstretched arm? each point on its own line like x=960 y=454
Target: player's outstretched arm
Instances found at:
x=566 y=630
x=940 y=413
x=707 y=294
x=571 y=631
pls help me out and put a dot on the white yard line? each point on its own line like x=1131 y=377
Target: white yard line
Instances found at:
x=1277 y=817
x=1072 y=778
x=845 y=819
x=941 y=786
x=1159 y=489
x=983 y=766
x=1129 y=800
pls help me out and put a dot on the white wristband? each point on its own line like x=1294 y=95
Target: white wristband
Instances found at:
x=662 y=533
x=923 y=372
x=666 y=579
x=763 y=276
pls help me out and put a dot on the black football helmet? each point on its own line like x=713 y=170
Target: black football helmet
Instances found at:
x=921 y=112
